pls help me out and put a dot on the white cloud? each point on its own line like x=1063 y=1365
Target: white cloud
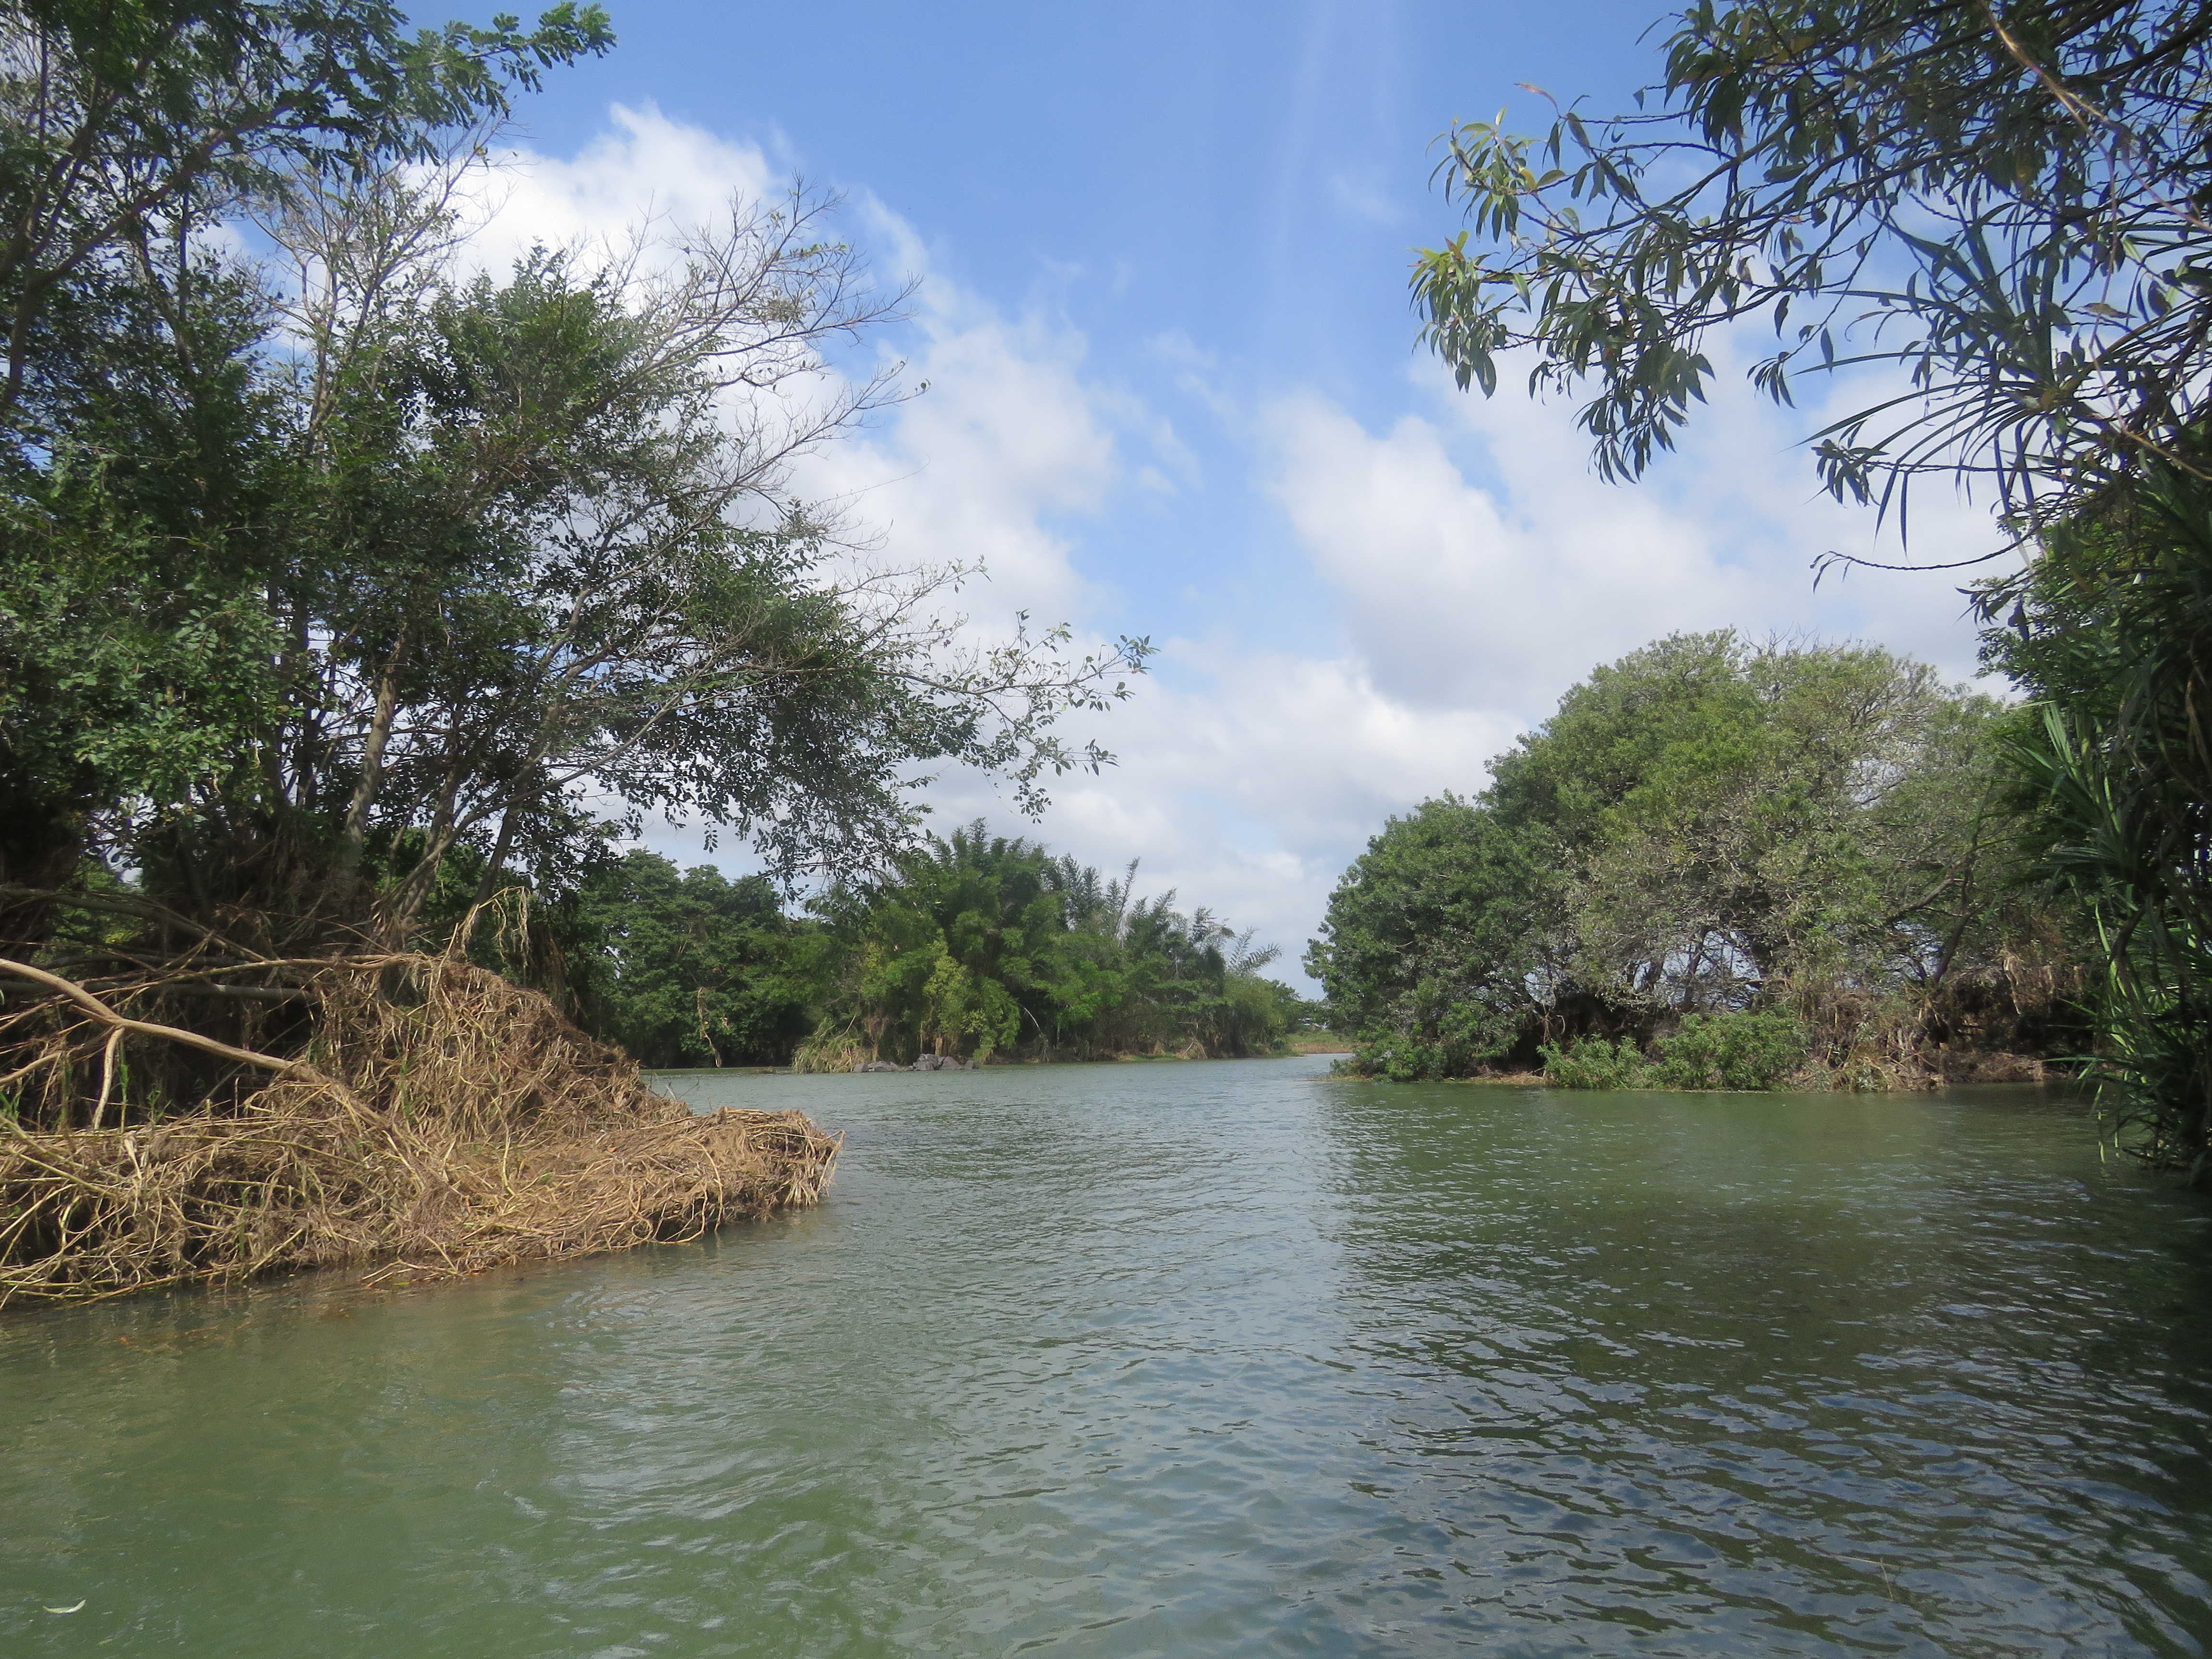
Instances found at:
x=1453 y=597
x=648 y=171
x=1006 y=441
x=1456 y=593
x=1738 y=505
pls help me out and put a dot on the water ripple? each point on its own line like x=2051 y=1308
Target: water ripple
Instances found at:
x=1195 y=1360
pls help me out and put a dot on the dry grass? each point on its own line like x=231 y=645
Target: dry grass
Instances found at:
x=442 y=1121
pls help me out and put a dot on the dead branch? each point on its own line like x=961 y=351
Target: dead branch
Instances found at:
x=107 y=1016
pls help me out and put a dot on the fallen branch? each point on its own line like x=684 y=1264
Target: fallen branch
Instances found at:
x=298 y=1069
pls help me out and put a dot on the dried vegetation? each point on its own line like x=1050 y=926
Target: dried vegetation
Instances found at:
x=431 y=1120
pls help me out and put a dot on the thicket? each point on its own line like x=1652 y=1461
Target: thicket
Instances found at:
x=1736 y=1050
x=1726 y=856
x=691 y=968
x=2110 y=636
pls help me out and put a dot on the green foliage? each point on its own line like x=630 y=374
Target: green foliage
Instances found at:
x=692 y=968
x=1999 y=208
x=328 y=574
x=2110 y=633
x=1443 y=939
x=2002 y=207
x=1702 y=827
x=974 y=945
x=1593 y=1062
x=121 y=116
x=1733 y=1050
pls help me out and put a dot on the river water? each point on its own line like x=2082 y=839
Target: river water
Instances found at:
x=1193 y=1359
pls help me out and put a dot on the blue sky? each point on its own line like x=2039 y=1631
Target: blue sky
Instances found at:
x=1173 y=390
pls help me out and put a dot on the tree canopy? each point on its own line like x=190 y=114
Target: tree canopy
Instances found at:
x=2111 y=638
x=1994 y=218
x=2001 y=208
x=1702 y=827
x=690 y=968
x=975 y=944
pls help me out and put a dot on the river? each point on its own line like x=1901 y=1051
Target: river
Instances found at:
x=1193 y=1359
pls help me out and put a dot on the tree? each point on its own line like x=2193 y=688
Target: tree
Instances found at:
x=120 y=123
x=1445 y=940
x=2110 y=637
x=137 y=456
x=692 y=968
x=975 y=945
x=2002 y=209
x=344 y=590
x=946 y=954
x=1702 y=827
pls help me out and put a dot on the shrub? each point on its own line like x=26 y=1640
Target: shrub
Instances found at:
x=1591 y=1063
x=1731 y=1051
x=1400 y=1060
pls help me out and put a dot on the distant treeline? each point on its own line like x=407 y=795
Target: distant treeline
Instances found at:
x=1719 y=865
x=972 y=945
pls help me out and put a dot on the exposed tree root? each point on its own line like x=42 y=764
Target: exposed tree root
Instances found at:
x=443 y=1121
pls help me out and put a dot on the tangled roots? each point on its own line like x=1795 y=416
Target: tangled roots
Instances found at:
x=447 y=1122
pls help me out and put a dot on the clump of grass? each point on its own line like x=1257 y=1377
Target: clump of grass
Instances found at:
x=830 y=1052
x=442 y=1121
x=1730 y=1050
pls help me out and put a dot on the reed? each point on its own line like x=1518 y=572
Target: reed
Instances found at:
x=442 y=1121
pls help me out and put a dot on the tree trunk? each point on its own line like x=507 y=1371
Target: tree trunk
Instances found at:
x=497 y=862
x=372 y=758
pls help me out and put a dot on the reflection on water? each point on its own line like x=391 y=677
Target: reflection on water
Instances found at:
x=1194 y=1359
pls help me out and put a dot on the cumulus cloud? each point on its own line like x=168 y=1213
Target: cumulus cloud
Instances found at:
x=1739 y=504
x=1501 y=593
x=1453 y=596
x=1006 y=441
x=645 y=173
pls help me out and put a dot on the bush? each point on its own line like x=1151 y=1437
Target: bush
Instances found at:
x=1400 y=1060
x=1730 y=1051
x=1592 y=1062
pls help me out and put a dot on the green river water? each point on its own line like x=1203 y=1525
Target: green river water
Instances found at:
x=1194 y=1359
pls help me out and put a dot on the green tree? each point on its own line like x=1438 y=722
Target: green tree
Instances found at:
x=1999 y=206
x=124 y=122
x=977 y=945
x=692 y=968
x=137 y=465
x=2000 y=210
x=951 y=952
x=1445 y=939
x=343 y=593
x=2110 y=635
x=1702 y=827
x=320 y=581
